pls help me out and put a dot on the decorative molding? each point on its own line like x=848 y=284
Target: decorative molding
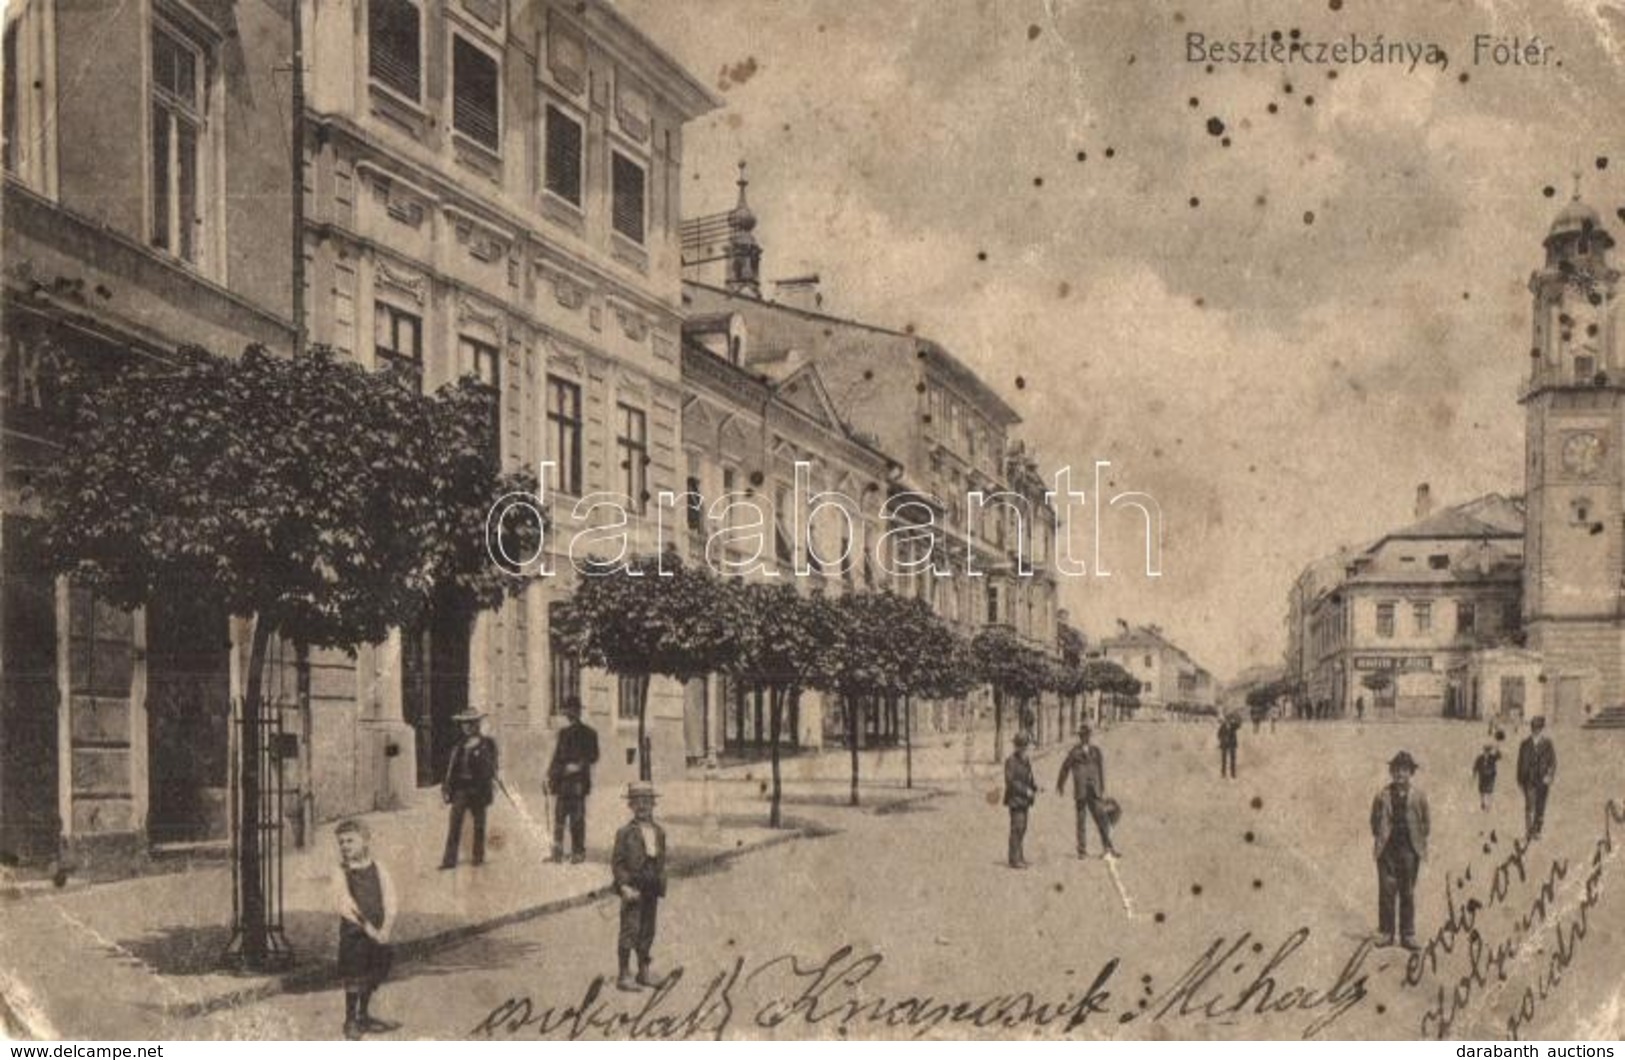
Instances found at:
x=484 y=243
x=414 y=286
x=566 y=55
x=595 y=318
x=471 y=312
x=664 y=348
x=632 y=325
x=489 y=12
x=561 y=355
x=631 y=108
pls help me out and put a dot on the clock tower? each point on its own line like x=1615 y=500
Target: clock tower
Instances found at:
x=1574 y=544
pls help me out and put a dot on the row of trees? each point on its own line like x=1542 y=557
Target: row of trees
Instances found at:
x=867 y=650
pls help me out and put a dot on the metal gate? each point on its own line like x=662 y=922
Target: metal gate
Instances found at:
x=274 y=747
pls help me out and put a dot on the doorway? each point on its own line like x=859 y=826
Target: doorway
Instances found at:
x=188 y=720
x=434 y=687
x=29 y=820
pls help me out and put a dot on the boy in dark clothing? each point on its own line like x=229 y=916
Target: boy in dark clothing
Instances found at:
x=1484 y=770
x=639 y=867
x=365 y=898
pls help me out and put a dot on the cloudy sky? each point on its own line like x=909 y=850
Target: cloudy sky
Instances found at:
x=1278 y=338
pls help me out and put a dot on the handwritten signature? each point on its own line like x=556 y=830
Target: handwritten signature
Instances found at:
x=841 y=993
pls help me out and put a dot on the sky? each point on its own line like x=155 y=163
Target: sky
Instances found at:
x=1277 y=323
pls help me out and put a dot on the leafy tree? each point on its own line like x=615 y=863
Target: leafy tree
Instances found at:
x=779 y=651
x=933 y=662
x=650 y=615
x=323 y=503
x=1014 y=671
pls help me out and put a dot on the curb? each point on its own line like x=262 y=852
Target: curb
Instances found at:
x=326 y=973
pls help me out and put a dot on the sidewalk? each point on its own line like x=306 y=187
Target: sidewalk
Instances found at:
x=96 y=961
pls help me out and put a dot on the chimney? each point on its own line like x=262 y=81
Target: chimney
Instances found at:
x=1424 y=501
x=799 y=292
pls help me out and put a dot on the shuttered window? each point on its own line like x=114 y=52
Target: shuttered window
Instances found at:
x=563 y=169
x=626 y=185
x=394 y=46
x=474 y=90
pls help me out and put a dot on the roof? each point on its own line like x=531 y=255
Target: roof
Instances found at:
x=1141 y=636
x=1489 y=516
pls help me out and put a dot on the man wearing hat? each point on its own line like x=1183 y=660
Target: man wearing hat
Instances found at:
x=639 y=868
x=569 y=778
x=1020 y=789
x=1086 y=766
x=1537 y=768
x=1399 y=829
x=469 y=787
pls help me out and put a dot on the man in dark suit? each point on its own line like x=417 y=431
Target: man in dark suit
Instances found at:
x=1229 y=737
x=469 y=786
x=1086 y=766
x=1399 y=832
x=639 y=868
x=1537 y=768
x=1020 y=789
x=569 y=778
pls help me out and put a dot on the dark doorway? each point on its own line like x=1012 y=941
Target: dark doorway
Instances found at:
x=29 y=821
x=434 y=687
x=188 y=720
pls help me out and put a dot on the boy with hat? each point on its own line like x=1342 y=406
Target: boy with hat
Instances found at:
x=1399 y=830
x=1484 y=769
x=469 y=786
x=639 y=867
x=1020 y=789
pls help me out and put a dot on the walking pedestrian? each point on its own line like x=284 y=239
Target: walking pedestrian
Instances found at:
x=365 y=899
x=639 y=869
x=1229 y=738
x=1399 y=830
x=569 y=778
x=1537 y=768
x=1484 y=767
x=469 y=787
x=1359 y=708
x=1020 y=790
x=1086 y=765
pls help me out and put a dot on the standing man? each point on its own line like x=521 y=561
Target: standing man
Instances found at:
x=1537 y=768
x=1399 y=830
x=1229 y=737
x=569 y=778
x=1020 y=789
x=1087 y=767
x=469 y=787
x=639 y=867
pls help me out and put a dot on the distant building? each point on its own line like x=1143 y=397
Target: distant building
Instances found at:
x=1167 y=674
x=1384 y=626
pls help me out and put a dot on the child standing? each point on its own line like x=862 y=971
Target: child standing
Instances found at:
x=1484 y=769
x=365 y=898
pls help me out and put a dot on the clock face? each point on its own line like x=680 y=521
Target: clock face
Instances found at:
x=1582 y=453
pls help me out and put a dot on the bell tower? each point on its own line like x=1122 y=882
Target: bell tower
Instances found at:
x=1574 y=400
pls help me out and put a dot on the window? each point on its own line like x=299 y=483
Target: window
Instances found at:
x=1585 y=369
x=178 y=71
x=483 y=358
x=1150 y=663
x=395 y=47
x=1466 y=617
x=564 y=420
x=992 y=604
x=397 y=338
x=8 y=91
x=695 y=505
x=1424 y=616
x=475 y=90
x=632 y=443
x=562 y=166
x=1385 y=620
x=628 y=693
x=783 y=546
x=1511 y=615
x=564 y=669
x=626 y=191
x=1439 y=562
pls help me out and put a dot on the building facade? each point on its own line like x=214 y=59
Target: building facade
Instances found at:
x=494 y=188
x=1384 y=628
x=146 y=174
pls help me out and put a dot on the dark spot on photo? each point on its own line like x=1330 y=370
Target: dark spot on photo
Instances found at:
x=981 y=255
x=1602 y=161
x=1083 y=156
x=1247 y=837
x=1258 y=885
x=1215 y=127
x=1308 y=101
x=868 y=374
x=1033 y=32
x=1287 y=88
x=1257 y=803
x=1275 y=35
x=1196 y=890
x=1308 y=217
x=1548 y=191
x=1463 y=78
x=1111 y=152
x=1195 y=102
x=1195 y=202
x=1021 y=382
x=1272 y=108
x=1159 y=917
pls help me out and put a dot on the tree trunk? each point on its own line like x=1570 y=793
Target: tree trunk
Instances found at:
x=250 y=884
x=908 y=742
x=852 y=741
x=998 y=724
x=777 y=707
x=645 y=767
